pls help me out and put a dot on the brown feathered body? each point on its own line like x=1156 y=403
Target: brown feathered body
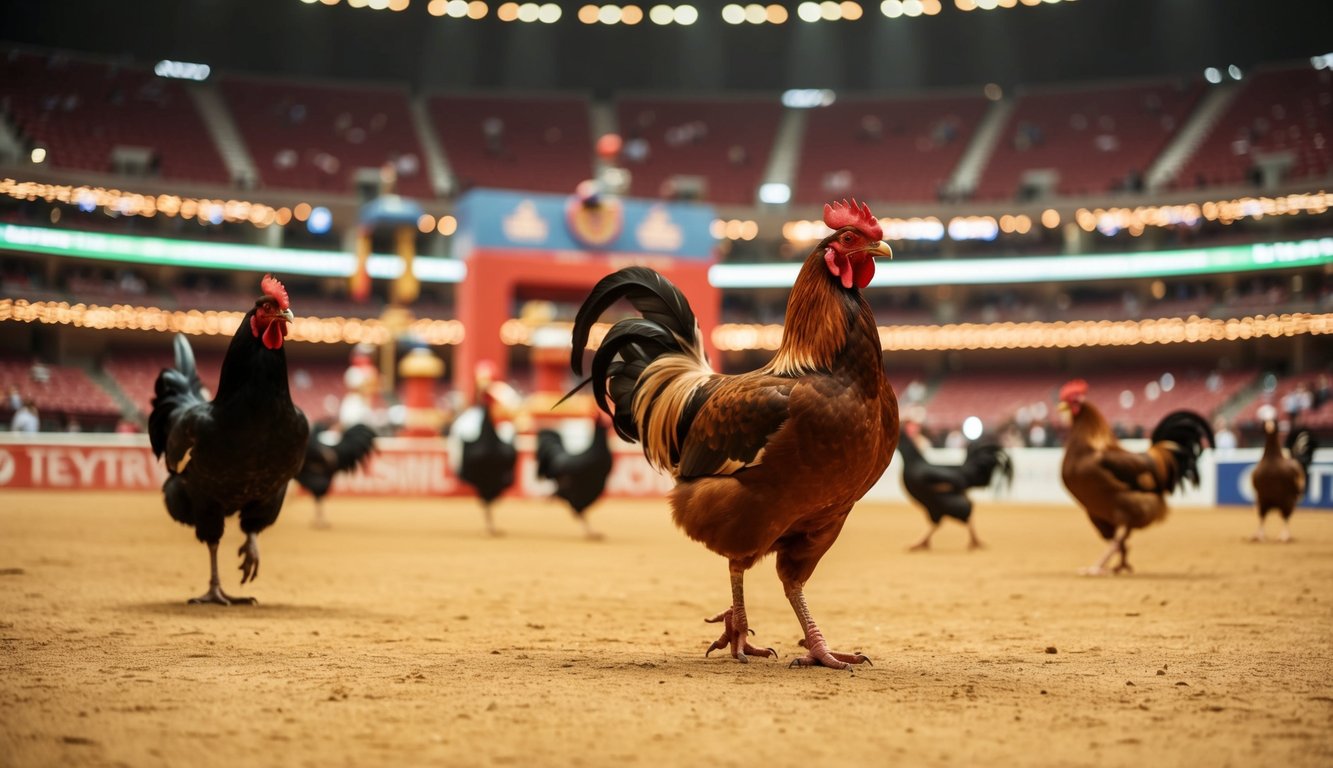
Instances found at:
x=1279 y=478
x=1123 y=489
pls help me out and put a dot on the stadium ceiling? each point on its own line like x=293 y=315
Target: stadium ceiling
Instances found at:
x=882 y=47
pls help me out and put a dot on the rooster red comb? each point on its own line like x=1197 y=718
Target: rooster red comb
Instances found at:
x=852 y=214
x=274 y=290
x=1074 y=390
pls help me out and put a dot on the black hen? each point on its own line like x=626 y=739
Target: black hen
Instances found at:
x=942 y=489
x=488 y=464
x=238 y=452
x=580 y=478
x=323 y=461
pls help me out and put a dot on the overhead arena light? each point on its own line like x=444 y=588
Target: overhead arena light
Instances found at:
x=807 y=98
x=774 y=193
x=182 y=70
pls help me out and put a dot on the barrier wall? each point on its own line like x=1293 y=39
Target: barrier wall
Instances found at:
x=425 y=467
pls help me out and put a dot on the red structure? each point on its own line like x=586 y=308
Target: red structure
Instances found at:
x=514 y=241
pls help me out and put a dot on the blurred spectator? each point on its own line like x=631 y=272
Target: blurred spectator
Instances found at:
x=25 y=419
x=73 y=425
x=1323 y=390
x=40 y=373
x=1037 y=435
x=1223 y=438
x=15 y=399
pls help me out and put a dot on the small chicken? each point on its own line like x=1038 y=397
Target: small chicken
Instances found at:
x=324 y=461
x=580 y=478
x=766 y=462
x=1124 y=491
x=237 y=453
x=942 y=490
x=1280 y=476
x=488 y=461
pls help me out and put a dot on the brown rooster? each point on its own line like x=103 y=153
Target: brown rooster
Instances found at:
x=1122 y=490
x=769 y=461
x=1280 y=476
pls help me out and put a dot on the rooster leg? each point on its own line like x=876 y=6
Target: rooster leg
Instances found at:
x=1285 y=536
x=490 y=520
x=818 y=653
x=215 y=594
x=588 y=530
x=973 y=542
x=249 y=552
x=924 y=544
x=1259 y=533
x=1117 y=544
x=321 y=521
x=736 y=628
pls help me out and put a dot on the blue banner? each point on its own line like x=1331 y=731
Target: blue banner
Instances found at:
x=1233 y=484
x=492 y=218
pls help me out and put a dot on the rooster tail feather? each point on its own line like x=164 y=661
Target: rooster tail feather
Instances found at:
x=647 y=369
x=1181 y=435
x=1302 y=444
x=655 y=297
x=982 y=464
x=355 y=447
x=176 y=389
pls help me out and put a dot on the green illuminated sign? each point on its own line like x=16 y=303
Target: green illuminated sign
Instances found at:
x=188 y=253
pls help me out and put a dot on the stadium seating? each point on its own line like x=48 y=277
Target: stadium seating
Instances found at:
x=80 y=110
x=725 y=143
x=889 y=150
x=316 y=137
x=1287 y=111
x=540 y=143
x=56 y=389
x=1319 y=417
x=1097 y=138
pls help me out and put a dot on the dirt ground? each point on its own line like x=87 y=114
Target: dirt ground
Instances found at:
x=403 y=636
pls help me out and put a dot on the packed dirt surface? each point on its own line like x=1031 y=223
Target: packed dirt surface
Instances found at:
x=404 y=636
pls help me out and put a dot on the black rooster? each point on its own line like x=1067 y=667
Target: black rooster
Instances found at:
x=488 y=463
x=238 y=452
x=942 y=490
x=580 y=478
x=323 y=461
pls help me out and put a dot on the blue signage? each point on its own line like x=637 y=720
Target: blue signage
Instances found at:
x=493 y=218
x=1233 y=484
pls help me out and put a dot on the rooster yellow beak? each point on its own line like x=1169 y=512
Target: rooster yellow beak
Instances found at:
x=1063 y=407
x=882 y=250
x=287 y=315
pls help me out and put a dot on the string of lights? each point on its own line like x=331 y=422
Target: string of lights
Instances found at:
x=325 y=330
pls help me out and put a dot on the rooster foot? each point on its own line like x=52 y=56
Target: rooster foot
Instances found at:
x=1122 y=568
x=249 y=552
x=821 y=656
x=1093 y=570
x=216 y=596
x=920 y=546
x=735 y=637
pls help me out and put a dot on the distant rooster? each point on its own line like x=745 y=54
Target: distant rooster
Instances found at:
x=323 y=461
x=580 y=478
x=1280 y=476
x=766 y=462
x=1124 y=491
x=238 y=452
x=488 y=461
x=942 y=490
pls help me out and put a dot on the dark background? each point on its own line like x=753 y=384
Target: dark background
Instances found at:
x=1070 y=41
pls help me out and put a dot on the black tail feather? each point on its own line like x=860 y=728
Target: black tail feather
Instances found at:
x=668 y=326
x=176 y=389
x=1302 y=443
x=655 y=297
x=1184 y=434
x=982 y=462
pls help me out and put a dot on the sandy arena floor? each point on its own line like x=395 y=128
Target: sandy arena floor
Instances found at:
x=405 y=637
